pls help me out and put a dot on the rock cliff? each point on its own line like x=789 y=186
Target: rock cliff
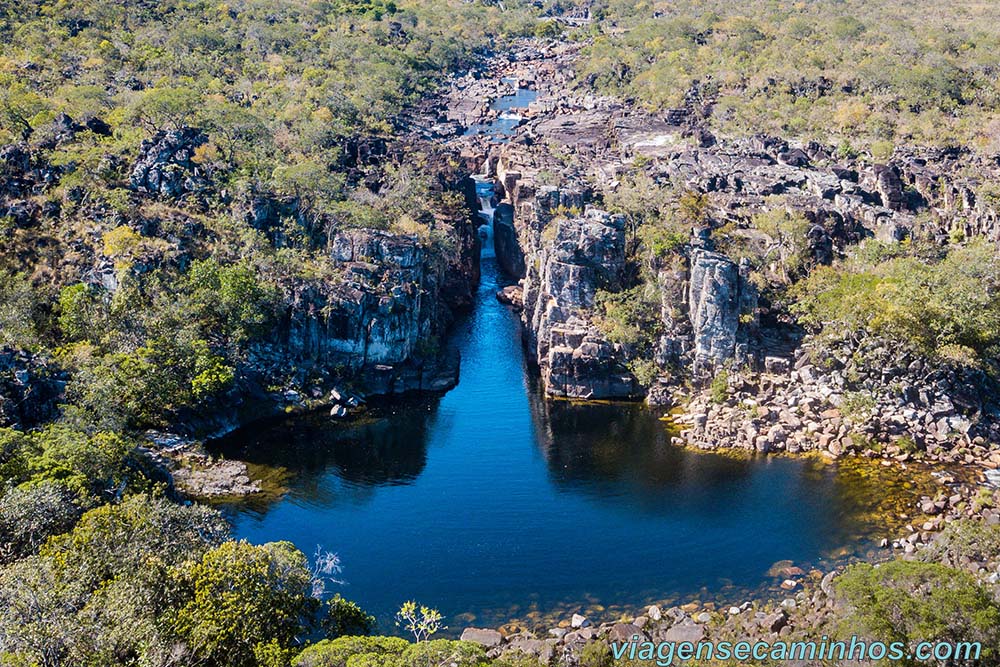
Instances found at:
x=576 y=257
x=719 y=295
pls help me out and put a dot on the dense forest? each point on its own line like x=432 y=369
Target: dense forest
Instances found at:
x=179 y=181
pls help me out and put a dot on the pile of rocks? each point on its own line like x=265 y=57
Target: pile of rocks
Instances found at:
x=861 y=397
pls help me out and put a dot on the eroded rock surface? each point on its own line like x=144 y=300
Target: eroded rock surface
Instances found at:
x=585 y=254
x=166 y=164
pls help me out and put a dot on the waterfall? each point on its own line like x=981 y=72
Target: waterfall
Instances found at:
x=486 y=228
x=485 y=193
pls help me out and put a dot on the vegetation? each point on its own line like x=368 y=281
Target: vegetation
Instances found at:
x=154 y=305
x=392 y=652
x=867 y=74
x=914 y=602
x=945 y=305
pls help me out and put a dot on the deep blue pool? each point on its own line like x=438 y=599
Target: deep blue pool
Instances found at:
x=491 y=503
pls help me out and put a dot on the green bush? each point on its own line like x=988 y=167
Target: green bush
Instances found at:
x=929 y=303
x=443 y=653
x=596 y=654
x=963 y=541
x=912 y=602
x=19 y=311
x=29 y=515
x=344 y=617
x=719 y=389
x=240 y=598
x=337 y=652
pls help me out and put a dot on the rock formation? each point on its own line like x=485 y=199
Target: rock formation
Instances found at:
x=165 y=165
x=584 y=254
x=719 y=296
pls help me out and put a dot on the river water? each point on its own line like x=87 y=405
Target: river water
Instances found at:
x=494 y=504
x=491 y=503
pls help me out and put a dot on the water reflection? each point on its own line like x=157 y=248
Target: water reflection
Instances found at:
x=491 y=502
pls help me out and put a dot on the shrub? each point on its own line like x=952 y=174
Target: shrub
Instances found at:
x=857 y=405
x=719 y=389
x=420 y=620
x=337 y=652
x=29 y=515
x=443 y=653
x=911 y=602
x=961 y=542
x=630 y=317
x=240 y=597
x=927 y=303
x=596 y=654
x=344 y=617
x=18 y=311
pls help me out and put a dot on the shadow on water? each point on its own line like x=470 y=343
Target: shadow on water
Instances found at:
x=493 y=503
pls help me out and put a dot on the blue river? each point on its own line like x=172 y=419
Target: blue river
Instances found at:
x=492 y=503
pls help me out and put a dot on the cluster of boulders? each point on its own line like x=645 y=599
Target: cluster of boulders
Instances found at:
x=167 y=163
x=859 y=396
x=564 y=645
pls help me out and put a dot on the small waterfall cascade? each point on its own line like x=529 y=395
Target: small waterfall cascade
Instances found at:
x=485 y=193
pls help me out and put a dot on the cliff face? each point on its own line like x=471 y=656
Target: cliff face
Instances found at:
x=719 y=295
x=370 y=307
x=564 y=258
x=382 y=321
x=584 y=254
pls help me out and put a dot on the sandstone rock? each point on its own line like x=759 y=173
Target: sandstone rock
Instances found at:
x=483 y=637
x=693 y=633
x=624 y=632
x=718 y=294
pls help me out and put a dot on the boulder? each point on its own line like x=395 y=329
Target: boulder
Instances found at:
x=693 y=633
x=484 y=637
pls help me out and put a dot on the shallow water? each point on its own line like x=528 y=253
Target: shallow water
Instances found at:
x=492 y=503
x=504 y=125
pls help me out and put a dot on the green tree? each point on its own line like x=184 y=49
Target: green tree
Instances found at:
x=19 y=306
x=240 y=597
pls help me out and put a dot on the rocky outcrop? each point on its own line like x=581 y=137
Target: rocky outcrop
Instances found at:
x=720 y=295
x=505 y=242
x=852 y=396
x=166 y=165
x=382 y=321
x=577 y=257
x=30 y=389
